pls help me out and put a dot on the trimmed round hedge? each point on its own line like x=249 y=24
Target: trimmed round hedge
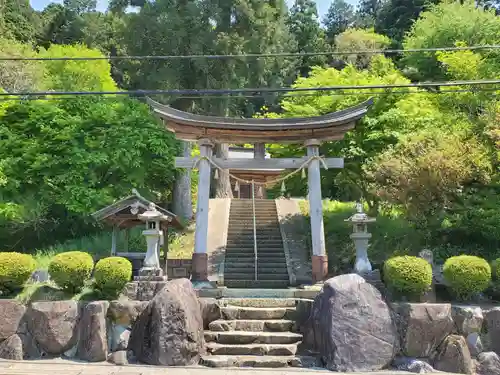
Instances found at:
x=495 y=271
x=408 y=275
x=111 y=274
x=467 y=275
x=15 y=270
x=70 y=270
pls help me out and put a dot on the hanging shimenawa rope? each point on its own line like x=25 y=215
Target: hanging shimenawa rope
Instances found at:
x=238 y=180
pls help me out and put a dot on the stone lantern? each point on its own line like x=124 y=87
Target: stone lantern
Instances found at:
x=361 y=237
x=154 y=238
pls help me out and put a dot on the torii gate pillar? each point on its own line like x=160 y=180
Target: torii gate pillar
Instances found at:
x=319 y=256
x=199 y=264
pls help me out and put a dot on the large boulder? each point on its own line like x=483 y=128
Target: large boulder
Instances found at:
x=492 y=336
x=54 y=325
x=353 y=329
x=11 y=313
x=488 y=363
x=210 y=311
x=453 y=356
x=423 y=327
x=93 y=343
x=169 y=331
x=468 y=319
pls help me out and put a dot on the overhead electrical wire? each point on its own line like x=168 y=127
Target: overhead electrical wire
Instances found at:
x=341 y=93
x=255 y=90
x=254 y=55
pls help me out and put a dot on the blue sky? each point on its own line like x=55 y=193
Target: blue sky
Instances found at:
x=102 y=4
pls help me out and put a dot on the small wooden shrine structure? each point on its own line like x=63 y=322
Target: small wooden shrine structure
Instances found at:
x=124 y=215
x=208 y=130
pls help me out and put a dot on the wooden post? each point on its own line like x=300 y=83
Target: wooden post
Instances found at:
x=319 y=257
x=200 y=257
x=114 y=236
x=126 y=238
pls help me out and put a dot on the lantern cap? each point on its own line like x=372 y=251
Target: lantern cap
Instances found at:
x=152 y=214
x=360 y=216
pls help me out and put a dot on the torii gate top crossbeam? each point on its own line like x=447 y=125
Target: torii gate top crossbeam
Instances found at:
x=192 y=127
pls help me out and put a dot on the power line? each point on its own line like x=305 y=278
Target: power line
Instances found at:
x=340 y=93
x=255 y=90
x=254 y=55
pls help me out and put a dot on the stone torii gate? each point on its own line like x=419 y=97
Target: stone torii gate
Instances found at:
x=208 y=130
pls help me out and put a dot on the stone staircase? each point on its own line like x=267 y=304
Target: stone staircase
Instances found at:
x=239 y=265
x=254 y=332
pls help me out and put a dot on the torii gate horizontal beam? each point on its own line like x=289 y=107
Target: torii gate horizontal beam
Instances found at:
x=259 y=164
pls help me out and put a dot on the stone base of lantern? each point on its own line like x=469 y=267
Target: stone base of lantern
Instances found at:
x=151 y=274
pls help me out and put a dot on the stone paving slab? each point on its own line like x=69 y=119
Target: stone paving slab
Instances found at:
x=65 y=367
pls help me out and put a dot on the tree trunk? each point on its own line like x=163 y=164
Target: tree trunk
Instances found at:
x=182 y=204
x=222 y=185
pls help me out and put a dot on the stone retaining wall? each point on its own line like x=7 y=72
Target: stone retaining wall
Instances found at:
x=451 y=338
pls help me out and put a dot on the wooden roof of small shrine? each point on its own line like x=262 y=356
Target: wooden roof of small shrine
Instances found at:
x=192 y=127
x=120 y=214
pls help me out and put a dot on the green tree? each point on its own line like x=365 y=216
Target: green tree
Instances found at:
x=367 y=13
x=310 y=38
x=339 y=18
x=396 y=17
x=18 y=21
x=443 y=26
x=81 y=155
x=359 y=40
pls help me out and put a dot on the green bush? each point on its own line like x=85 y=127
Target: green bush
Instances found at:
x=467 y=275
x=111 y=274
x=495 y=271
x=411 y=276
x=15 y=270
x=70 y=270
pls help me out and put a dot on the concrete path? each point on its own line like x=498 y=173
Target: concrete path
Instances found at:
x=64 y=367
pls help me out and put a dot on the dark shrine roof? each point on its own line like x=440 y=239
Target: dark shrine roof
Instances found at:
x=191 y=126
x=119 y=213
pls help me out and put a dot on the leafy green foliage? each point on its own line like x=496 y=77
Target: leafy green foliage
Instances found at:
x=71 y=270
x=359 y=40
x=111 y=274
x=409 y=275
x=444 y=25
x=467 y=275
x=339 y=18
x=15 y=271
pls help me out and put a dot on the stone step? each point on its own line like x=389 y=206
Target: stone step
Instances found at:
x=247 y=215
x=252 y=349
x=278 y=325
x=249 y=242
x=250 y=252
x=260 y=276
x=237 y=268
x=246 y=337
x=256 y=313
x=260 y=264
x=274 y=301
x=259 y=284
x=258 y=361
x=243 y=258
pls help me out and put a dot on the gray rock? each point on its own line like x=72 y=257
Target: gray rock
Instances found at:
x=492 y=325
x=119 y=358
x=468 y=319
x=353 y=329
x=11 y=313
x=120 y=336
x=54 y=325
x=169 y=331
x=422 y=327
x=414 y=365
x=454 y=356
x=488 y=363
x=30 y=347
x=93 y=343
x=210 y=311
x=125 y=312
x=40 y=276
x=12 y=348
x=474 y=343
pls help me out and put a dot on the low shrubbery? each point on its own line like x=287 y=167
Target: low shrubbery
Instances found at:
x=111 y=274
x=15 y=271
x=71 y=270
x=408 y=275
x=467 y=275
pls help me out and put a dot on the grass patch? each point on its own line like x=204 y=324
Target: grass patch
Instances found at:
x=48 y=291
x=181 y=245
